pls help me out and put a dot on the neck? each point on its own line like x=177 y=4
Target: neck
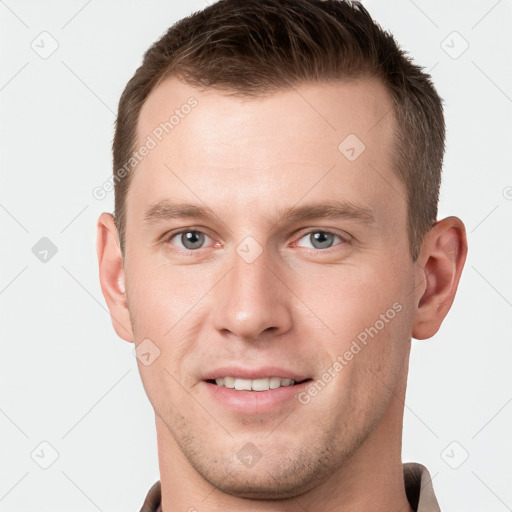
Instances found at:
x=371 y=479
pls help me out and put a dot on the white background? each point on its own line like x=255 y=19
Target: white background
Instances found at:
x=65 y=378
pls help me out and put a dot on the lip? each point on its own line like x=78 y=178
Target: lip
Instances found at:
x=254 y=402
x=239 y=372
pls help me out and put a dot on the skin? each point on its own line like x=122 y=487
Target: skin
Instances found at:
x=293 y=306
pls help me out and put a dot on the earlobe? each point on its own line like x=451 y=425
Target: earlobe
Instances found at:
x=440 y=263
x=112 y=278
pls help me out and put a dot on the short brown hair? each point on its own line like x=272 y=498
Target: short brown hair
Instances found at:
x=251 y=48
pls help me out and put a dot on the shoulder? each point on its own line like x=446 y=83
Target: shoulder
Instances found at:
x=153 y=498
x=419 y=488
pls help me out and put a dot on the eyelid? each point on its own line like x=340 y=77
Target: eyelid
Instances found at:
x=169 y=235
x=345 y=237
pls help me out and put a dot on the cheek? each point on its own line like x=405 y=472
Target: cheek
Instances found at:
x=156 y=304
x=365 y=316
x=160 y=296
x=350 y=298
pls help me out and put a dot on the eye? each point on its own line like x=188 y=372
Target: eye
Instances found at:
x=320 y=239
x=189 y=240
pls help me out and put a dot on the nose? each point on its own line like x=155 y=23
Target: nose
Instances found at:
x=252 y=302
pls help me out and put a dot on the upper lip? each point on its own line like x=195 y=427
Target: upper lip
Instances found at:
x=261 y=372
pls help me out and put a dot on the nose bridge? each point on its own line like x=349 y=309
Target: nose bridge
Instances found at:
x=252 y=298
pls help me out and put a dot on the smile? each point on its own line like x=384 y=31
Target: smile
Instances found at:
x=263 y=384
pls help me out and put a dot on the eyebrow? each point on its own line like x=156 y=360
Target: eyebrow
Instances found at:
x=333 y=210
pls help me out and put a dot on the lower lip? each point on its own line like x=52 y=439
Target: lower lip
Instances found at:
x=254 y=402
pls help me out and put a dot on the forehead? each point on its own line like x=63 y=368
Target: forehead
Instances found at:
x=323 y=139
x=327 y=110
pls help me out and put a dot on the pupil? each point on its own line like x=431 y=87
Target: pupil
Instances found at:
x=321 y=240
x=192 y=239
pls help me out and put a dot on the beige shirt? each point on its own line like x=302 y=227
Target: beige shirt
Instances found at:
x=418 y=488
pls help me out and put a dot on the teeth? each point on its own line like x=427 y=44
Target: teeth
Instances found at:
x=275 y=382
x=260 y=384
x=241 y=384
x=254 y=385
x=229 y=382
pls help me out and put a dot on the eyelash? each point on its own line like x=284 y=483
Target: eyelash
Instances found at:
x=344 y=240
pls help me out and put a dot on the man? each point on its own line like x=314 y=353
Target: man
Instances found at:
x=273 y=251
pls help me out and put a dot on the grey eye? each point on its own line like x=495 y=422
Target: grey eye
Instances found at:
x=191 y=239
x=320 y=239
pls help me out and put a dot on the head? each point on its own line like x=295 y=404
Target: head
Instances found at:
x=282 y=216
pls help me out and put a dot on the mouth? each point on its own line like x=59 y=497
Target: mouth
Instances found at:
x=256 y=396
x=265 y=389
x=258 y=385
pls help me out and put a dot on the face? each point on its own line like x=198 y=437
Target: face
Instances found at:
x=265 y=242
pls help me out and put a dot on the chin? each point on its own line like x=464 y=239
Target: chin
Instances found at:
x=270 y=478
x=263 y=484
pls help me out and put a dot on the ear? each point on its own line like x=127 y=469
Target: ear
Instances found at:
x=439 y=265
x=112 y=277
